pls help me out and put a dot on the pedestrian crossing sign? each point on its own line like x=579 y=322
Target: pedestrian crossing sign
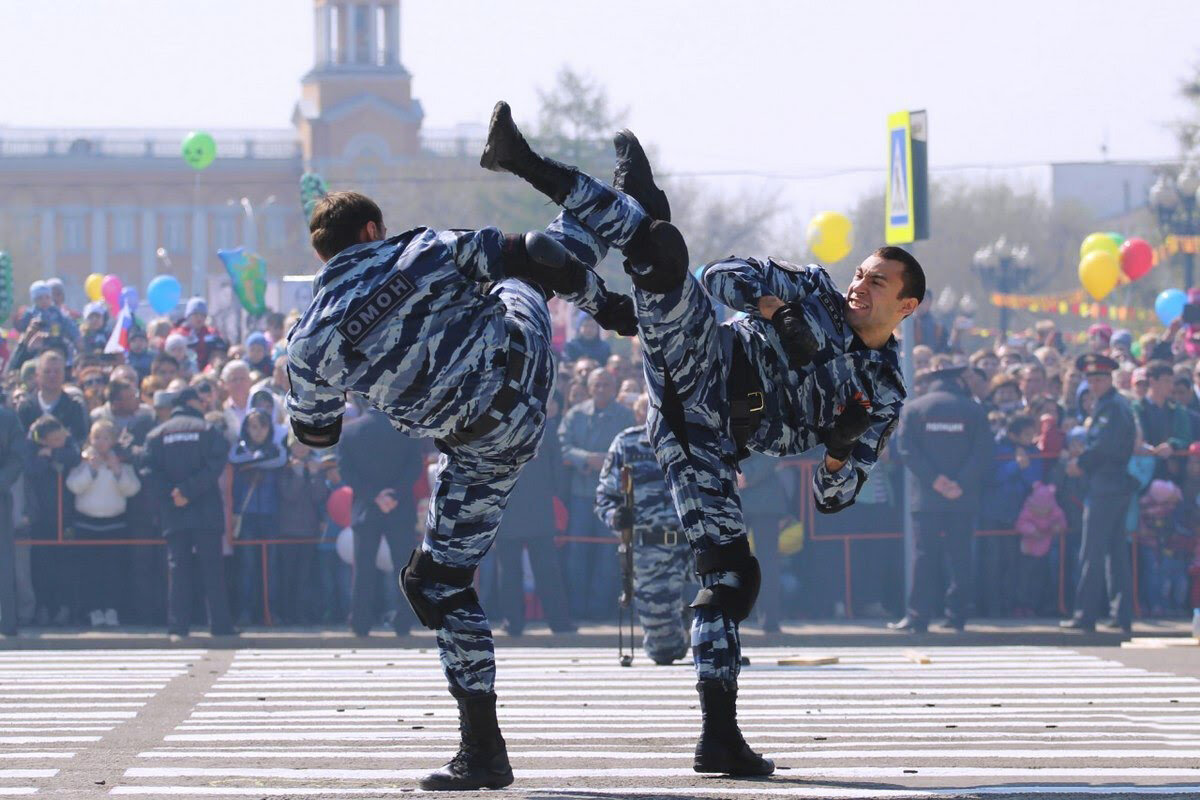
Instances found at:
x=906 y=215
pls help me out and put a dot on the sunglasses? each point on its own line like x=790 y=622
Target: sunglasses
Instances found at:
x=203 y=388
x=95 y=382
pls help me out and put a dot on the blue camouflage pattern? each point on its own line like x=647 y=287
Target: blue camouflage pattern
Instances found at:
x=660 y=571
x=406 y=324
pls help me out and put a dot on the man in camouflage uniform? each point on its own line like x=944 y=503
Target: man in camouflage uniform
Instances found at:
x=807 y=366
x=662 y=557
x=407 y=321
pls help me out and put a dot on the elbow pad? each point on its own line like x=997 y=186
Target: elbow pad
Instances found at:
x=318 y=436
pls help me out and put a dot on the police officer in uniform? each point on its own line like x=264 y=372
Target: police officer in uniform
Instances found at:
x=448 y=334
x=806 y=366
x=184 y=457
x=946 y=444
x=662 y=557
x=1111 y=432
x=12 y=441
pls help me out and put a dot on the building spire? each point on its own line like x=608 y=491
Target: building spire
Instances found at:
x=356 y=34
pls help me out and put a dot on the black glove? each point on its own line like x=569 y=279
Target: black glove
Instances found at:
x=848 y=428
x=798 y=341
x=617 y=313
x=622 y=518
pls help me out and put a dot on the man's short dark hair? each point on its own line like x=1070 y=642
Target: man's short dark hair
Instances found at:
x=1157 y=369
x=913 y=276
x=338 y=219
x=1021 y=422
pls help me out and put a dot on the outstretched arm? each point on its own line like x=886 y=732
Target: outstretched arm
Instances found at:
x=741 y=283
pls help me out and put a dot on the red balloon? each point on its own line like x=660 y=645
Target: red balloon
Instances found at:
x=338 y=506
x=1137 y=257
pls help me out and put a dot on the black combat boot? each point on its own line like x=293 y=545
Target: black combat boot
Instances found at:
x=507 y=151
x=721 y=747
x=482 y=759
x=634 y=177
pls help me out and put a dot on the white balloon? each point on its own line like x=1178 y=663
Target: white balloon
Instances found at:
x=383 y=558
x=345 y=545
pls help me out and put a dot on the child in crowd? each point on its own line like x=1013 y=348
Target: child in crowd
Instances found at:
x=49 y=457
x=302 y=495
x=1164 y=550
x=139 y=356
x=257 y=459
x=334 y=576
x=176 y=346
x=1016 y=468
x=102 y=484
x=258 y=354
x=1040 y=523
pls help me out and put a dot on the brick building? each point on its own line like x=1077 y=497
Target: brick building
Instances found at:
x=123 y=201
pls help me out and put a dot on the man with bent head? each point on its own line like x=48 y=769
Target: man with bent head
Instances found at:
x=448 y=334
x=807 y=366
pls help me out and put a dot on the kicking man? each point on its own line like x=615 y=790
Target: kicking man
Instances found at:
x=449 y=335
x=807 y=366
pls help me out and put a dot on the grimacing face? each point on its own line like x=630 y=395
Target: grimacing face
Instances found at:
x=873 y=299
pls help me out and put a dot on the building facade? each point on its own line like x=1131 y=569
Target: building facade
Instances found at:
x=78 y=201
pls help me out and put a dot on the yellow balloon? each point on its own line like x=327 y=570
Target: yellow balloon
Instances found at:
x=1101 y=242
x=91 y=286
x=1098 y=272
x=829 y=236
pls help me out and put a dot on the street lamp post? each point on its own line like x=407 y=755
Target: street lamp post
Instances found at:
x=1005 y=268
x=1175 y=202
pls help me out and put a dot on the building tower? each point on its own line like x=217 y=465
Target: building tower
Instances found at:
x=356 y=111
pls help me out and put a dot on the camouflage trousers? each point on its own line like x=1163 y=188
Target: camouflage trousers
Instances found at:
x=474 y=479
x=660 y=572
x=685 y=354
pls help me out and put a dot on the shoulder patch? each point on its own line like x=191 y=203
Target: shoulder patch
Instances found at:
x=366 y=315
x=789 y=266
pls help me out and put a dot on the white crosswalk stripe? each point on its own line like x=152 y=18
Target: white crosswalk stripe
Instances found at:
x=52 y=704
x=1017 y=721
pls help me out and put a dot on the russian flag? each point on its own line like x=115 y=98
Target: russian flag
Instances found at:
x=118 y=340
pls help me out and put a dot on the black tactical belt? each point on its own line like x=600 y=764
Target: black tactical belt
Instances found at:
x=667 y=536
x=746 y=400
x=508 y=398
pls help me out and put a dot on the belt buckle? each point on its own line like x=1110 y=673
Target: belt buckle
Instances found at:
x=762 y=401
x=671 y=537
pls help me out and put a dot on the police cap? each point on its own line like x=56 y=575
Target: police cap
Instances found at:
x=1095 y=364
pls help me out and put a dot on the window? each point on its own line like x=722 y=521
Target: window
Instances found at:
x=124 y=233
x=174 y=233
x=224 y=232
x=74 y=233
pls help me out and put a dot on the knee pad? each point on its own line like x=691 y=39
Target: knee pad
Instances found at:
x=737 y=602
x=422 y=571
x=660 y=255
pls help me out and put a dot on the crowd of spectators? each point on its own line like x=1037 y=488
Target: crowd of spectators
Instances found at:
x=73 y=468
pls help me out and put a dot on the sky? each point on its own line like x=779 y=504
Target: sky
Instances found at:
x=748 y=95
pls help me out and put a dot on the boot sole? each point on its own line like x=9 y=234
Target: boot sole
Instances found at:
x=726 y=769
x=488 y=159
x=498 y=782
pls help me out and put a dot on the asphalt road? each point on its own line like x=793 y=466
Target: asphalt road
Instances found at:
x=278 y=723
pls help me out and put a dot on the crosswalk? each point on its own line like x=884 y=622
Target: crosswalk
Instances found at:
x=995 y=721
x=53 y=704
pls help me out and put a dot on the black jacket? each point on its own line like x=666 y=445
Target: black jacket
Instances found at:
x=66 y=410
x=373 y=456
x=187 y=453
x=1111 y=432
x=530 y=510
x=945 y=432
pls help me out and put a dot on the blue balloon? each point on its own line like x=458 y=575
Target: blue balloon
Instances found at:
x=1169 y=305
x=129 y=297
x=163 y=293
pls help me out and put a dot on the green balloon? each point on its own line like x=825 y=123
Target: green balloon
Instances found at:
x=199 y=150
x=1116 y=237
